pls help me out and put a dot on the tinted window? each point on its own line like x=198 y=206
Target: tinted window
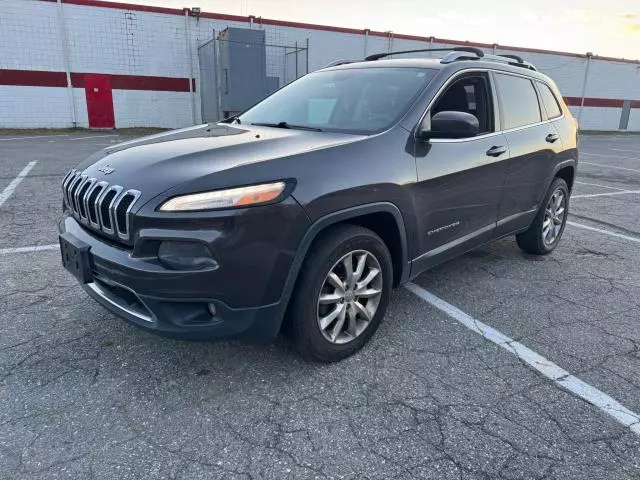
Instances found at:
x=549 y=100
x=358 y=100
x=519 y=101
x=470 y=95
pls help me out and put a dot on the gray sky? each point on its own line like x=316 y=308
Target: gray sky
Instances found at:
x=610 y=28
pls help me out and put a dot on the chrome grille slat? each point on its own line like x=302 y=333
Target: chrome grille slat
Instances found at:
x=85 y=196
x=118 y=190
x=135 y=194
x=72 y=190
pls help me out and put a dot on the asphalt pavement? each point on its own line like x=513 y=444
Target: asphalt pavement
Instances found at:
x=85 y=395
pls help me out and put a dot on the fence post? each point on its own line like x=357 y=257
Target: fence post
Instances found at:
x=366 y=42
x=67 y=64
x=584 y=85
x=187 y=34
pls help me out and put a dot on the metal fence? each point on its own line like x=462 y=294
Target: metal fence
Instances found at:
x=238 y=68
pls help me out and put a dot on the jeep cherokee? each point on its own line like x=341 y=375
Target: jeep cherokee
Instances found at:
x=303 y=212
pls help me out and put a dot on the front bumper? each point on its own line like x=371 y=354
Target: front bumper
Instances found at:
x=178 y=304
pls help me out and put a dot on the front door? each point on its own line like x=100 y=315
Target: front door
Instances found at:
x=460 y=181
x=99 y=101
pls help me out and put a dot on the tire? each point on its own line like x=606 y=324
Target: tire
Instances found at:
x=534 y=240
x=306 y=314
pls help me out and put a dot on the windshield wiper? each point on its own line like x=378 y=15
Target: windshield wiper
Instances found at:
x=233 y=119
x=288 y=125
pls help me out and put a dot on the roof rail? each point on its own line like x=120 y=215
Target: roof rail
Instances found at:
x=335 y=63
x=513 y=60
x=455 y=54
x=376 y=56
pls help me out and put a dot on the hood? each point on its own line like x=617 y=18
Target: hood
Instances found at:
x=156 y=163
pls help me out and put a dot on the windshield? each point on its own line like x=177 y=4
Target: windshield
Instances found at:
x=358 y=100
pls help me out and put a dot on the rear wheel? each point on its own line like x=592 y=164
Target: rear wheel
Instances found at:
x=544 y=233
x=342 y=294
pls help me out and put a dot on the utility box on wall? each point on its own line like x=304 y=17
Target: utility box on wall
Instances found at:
x=243 y=69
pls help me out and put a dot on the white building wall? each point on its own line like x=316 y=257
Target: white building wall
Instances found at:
x=147 y=109
x=634 y=120
x=26 y=107
x=140 y=43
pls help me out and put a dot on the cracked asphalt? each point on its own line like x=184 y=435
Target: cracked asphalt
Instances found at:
x=84 y=395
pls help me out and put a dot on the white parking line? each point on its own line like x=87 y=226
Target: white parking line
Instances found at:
x=608 y=156
x=605 y=232
x=608 y=194
x=546 y=367
x=598 y=185
x=623 y=150
x=610 y=166
x=6 y=193
x=93 y=136
x=28 y=138
x=38 y=248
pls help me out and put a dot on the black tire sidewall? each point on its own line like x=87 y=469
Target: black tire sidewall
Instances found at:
x=557 y=183
x=307 y=335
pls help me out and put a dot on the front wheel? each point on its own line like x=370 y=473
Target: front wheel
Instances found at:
x=544 y=233
x=342 y=294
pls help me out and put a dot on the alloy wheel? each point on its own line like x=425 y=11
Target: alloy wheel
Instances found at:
x=554 y=217
x=349 y=297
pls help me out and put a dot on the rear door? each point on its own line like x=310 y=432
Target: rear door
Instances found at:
x=534 y=144
x=460 y=181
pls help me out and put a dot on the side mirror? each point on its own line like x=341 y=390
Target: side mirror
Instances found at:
x=449 y=124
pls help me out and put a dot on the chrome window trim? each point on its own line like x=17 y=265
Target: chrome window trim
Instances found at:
x=136 y=194
x=498 y=131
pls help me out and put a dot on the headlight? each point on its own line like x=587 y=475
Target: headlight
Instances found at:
x=233 y=197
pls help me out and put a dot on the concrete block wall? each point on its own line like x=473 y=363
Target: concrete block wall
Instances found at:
x=144 y=50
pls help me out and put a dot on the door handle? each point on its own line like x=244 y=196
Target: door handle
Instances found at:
x=496 y=151
x=552 y=137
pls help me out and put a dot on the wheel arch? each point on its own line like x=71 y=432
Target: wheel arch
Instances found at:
x=375 y=216
x=567 y=171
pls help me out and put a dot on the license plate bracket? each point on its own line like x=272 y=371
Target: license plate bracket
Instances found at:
x=76 y=257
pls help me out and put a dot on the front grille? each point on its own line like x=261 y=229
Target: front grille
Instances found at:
x=98 y=205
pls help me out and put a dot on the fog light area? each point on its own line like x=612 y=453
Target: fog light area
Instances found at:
x=179 y=255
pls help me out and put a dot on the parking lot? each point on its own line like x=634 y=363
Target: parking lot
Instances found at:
x=436 y=394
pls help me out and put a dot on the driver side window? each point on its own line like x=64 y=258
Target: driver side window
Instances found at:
x=469 y=94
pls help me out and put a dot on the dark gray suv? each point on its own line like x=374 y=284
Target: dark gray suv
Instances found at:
x=303 y=212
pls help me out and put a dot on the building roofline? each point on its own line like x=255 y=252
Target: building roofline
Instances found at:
x=329 y=28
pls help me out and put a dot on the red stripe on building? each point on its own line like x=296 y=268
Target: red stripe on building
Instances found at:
x=597 y=102
x=36 y=78
x=33 y=78
x=329 y=28
x=140 y=82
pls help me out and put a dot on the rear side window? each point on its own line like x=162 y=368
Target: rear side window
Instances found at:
x=549 y=100
x=519 y=101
